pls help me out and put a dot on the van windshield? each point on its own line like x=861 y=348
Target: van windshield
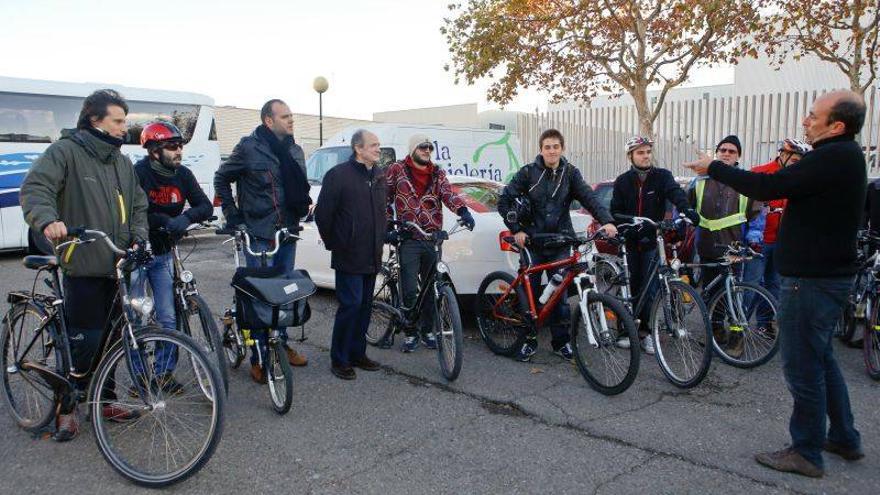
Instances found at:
x=324 y=159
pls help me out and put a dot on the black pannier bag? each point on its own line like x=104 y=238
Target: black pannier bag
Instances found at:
x=267 y=298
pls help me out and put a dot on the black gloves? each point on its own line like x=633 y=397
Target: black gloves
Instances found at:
x=693 y=216
x=466 y=218
x=177 y=225
x=392 y=237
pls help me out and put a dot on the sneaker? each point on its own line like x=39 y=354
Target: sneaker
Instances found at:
x=429 y=341
x=410 y=344
x=525 y=354
x=565 y=352
x=168 y=385
x=648 y=345
x=118 y=414
x=623 y=342
x=66 y=427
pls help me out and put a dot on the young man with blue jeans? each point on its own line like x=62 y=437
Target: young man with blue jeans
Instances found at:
x=817 y=260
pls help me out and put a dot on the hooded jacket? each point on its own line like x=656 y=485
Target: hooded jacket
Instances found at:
x=86 y=182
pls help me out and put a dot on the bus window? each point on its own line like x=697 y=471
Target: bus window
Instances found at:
x=36 y=118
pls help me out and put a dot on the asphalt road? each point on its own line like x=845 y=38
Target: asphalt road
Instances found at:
x=502 y=427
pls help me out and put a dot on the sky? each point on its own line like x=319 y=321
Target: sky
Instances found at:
x=378 y=55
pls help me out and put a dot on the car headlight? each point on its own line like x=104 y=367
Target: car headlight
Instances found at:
x=186 y=276
x=442 y=267
x=143 y=305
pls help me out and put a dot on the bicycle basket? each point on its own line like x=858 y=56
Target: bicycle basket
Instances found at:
x=268 y=298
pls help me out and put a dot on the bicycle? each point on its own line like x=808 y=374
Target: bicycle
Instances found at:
x=678 y=317
x=274 y=292
x=507 y=313
x=193 y=316
x=151 y=435
x=390 y=316
x=855 y=313
x=743 y=315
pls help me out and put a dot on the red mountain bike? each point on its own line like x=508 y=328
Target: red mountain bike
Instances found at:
x=507 y=312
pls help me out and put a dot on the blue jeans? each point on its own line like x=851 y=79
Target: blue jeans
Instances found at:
x=355 y=294
x=762 y=271
x=285 y=256
x=809 y=311
x=160 y=274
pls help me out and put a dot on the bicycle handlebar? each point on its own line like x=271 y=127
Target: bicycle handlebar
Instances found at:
x=78 y=232
x=281 y=235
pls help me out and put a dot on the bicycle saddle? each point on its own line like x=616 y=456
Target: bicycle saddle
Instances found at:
x=38 y=262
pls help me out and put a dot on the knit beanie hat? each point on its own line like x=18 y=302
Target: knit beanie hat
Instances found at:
x=732 y=139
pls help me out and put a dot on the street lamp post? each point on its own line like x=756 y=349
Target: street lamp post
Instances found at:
x=320 y=85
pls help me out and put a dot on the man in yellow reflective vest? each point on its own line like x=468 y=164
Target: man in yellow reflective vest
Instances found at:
x=724 y=213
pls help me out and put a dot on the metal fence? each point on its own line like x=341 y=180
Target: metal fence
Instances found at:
x=594 y=137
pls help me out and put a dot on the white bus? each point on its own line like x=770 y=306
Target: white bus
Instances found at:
x=33 y=113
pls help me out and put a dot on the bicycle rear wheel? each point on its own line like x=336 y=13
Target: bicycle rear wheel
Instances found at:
x=752 y=340
x=682 y=334
x=152 y=430
x=502 y=326
x=607 y=368
x=450 y=337
x=871 y=342
x=382 y=320
x=30 y=400
x=199 y=324
x=279 y=376
x=232 y=343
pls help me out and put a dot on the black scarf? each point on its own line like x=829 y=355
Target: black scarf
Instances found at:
x=106 y=137
x=293 y=180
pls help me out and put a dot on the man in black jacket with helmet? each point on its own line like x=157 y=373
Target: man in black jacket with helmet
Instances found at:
x=547 y=187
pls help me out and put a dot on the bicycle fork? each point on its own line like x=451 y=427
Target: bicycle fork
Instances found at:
x=583 y=296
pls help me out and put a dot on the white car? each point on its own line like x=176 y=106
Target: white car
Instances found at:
x=470 y=255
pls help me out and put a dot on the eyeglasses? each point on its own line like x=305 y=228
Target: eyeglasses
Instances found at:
x=425 y=147
x=727 y=150
x=172 y=146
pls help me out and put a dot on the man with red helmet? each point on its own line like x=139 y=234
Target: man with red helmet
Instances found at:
x=762 y=270
x=168 y=187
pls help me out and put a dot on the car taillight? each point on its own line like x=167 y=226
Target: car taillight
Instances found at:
x=505 y=246
x=217 y=201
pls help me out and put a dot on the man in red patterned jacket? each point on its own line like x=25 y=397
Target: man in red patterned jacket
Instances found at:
x=763 y=270
x=417 y=191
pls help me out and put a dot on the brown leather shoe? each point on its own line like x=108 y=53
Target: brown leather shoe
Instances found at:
x=66 y=427
x=366 y=364
x=295 y=358
x=848 y=454
x=789 y=461
x=257 y=374
x=343 y=372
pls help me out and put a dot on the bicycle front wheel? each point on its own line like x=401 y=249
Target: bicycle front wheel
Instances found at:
x=608 y=368
x=450 y=337
x=382 y=320
x=157 y=429
x=682 y=334
x=279 y=376
x=199 y=324
x=871 y=343
x=745 y=335
x=30 y=400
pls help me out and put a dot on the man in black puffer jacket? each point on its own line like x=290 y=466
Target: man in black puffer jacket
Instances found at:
x=643 y=191
x=550 y=184
x=817 y=261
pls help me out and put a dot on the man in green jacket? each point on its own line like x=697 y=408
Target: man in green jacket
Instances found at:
x=83 y=179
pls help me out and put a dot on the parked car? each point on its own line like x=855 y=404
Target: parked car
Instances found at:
x=470 y=255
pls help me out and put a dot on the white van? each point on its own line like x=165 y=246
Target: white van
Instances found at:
x=33 y=113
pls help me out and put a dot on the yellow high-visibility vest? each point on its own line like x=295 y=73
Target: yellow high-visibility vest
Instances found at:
x=716 y=224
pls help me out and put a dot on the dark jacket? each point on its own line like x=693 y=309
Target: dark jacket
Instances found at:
x=350 y=215
x=551 y=193
x=826 y=198
x=86 y=182
x=647 y=199
x=872 y=207
x=257 y=174
x=167 y=196
x=719 y=201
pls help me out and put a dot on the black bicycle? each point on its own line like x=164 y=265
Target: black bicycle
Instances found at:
x=390 y=316
x=678 y=318
x=149 y=432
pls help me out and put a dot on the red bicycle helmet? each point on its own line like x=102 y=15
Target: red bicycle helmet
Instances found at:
x=159 y=132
